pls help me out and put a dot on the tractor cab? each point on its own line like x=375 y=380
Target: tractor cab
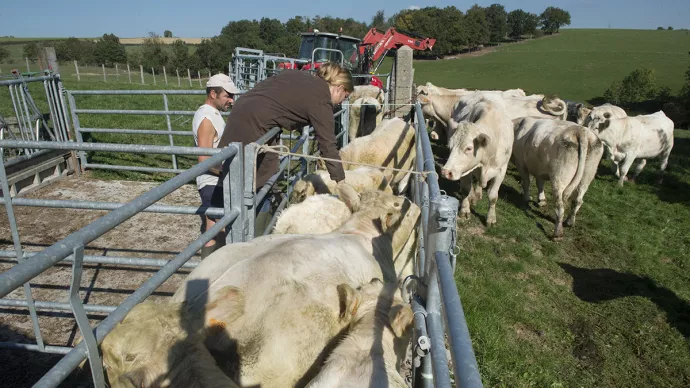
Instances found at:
x=322 y=47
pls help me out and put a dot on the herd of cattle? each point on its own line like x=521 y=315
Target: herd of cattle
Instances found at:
x=317 y=302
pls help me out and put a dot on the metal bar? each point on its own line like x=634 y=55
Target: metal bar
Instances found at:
x=464 y=361
x=110 y=147
x=249 y=165
x=18 y=114
x=434 y=190
x=439 y=361
x=233 y=189
x=43 y=305
x=26 y=80
x=135 y=112
x=83 y=321
x=60 y=108
x=95 y=205
x=68 y=363
x=53 y=114
x=137 y=131
x=77 y=132
x=167 y=120
x=63 y=106
x=18 y=251
x=46 y=349
x=115 y=260
x=22 y=158
x=274 y=219
x=422 y=376
x=138 y=92
x=132 y=168
x=268 y=136
x=274 y=178
x=27 y=112
x=21 y=273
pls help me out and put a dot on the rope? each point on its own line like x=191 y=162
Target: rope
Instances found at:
x=276 y=150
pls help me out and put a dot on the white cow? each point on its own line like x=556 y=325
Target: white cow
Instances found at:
x=480 y=147
x=365 y=100
x=317 y=214
x=361 y=179
x=565 y=153
x=266 y=309
x=638 y=137
x=372 y=353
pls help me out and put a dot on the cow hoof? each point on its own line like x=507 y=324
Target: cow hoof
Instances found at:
x=557 y=237
x=542 y=203
x=569 y=222
x=491 y=222
x=465 y=214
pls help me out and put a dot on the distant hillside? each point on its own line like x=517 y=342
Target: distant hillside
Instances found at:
x=137 y=41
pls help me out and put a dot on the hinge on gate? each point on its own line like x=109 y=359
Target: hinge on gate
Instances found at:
x=446 y=218
x=421 y=349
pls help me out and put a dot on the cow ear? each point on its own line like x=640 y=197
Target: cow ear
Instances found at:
x=607 y=115
x=578 y=105
x=482 y=140
x=226 y=306
x=348 y=195
x=423 y=99
x=400 y=317
x=349 y=300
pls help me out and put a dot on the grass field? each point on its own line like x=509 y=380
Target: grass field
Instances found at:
x=608 y=305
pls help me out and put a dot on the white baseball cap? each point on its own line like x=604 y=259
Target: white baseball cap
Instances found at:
x=223 y=81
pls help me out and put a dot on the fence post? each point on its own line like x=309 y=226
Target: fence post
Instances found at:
x=209 y=74
x=76 y=67
x=129 y=73
x=103 y=67
x=165 y=75
x=27 y=64
x=178 y=77
x=190 y=78
x=198 y=73
x=154 y=75
x=141 y=71
x=117 y=72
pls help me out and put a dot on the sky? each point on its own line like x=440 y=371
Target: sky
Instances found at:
x=130 y=18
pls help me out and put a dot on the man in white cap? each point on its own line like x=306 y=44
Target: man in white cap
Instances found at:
x=208 y=126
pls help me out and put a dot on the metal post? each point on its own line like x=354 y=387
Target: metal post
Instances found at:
x=103 y=67
x=189 y=75
x=18 y=250
x=76 y=68
x=249 y=165
x=165 y=75
x=170 y=136
x=77 y=132
x=141 y=71
x=233 y=190
x=153 y=72
x=439 y=361
x=129 y=73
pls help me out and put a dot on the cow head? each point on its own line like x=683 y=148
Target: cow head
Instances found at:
x=598 y=121
x=582 y=115
x=468 y=146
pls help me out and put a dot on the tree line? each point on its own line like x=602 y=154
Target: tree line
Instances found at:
x=455 y=31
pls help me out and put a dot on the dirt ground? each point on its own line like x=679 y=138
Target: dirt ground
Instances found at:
x=150 y=235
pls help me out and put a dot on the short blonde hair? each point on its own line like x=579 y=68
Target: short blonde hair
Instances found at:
x=336 y=75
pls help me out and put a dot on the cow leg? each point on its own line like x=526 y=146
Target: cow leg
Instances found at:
x=524 y=180
x=466 y=188
x=402 y=185
x=578 y=196
x=558 y=190
x=638 y=170
x=625 y=167
x=540 y=192
x=477 y=194
x=662 y=168
x=493 y=195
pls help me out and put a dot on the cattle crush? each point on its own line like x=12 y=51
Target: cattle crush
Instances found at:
x=150 y=271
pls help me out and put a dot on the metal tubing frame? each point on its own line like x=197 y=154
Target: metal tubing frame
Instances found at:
x=115 y=260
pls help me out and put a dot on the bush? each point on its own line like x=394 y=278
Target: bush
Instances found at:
x=637 y=87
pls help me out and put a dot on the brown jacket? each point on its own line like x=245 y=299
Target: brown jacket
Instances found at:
x=289 y=100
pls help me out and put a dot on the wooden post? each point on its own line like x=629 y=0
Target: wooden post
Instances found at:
x=178 y=76
x=198 y=74
x=76 y=67
x=103 y=67
x=209 y=74
x=141 y=71
x=165 y=75
x=28 y=69
x=154 y=75
x=190 y=78
x=117 y=72
x=129 y=73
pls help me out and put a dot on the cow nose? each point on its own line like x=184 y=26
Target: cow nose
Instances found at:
x=447 y=174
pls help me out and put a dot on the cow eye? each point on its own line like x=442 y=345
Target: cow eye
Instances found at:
x=468 y=149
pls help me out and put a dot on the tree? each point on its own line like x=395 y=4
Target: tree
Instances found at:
x=72 y=49
x=517 y=20
x=270 y=32
x=638 y=86
x=379 y=21
x=531 y=23
x=670 y=28
x=31 y=50
x=660 y=28
x=167 y=34
x=153 y=54
x=553 y=18
x=497 y=17
x=108 y=51
x=180 y=55
x=477 y=26
x=4 y=53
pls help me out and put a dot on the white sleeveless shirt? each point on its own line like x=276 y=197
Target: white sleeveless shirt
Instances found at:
x=213 y=115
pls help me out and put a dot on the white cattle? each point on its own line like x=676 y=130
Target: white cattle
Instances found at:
x=365 y=114
x=480 y=147
x=317 y=214
x=565 y=153
x=361 y=179
x=371 y=354
x=392 y=144
x=267 y=309
x=638 y=137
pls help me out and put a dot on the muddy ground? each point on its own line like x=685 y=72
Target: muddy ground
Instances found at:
x=150 y=235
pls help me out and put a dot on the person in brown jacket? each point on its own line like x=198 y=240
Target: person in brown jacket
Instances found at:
x=290 y=99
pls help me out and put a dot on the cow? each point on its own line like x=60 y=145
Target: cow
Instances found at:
x=563 y=152
x=638 y=137
x=269 y=310
x=480 y=147
x=430 y=88
x=366 y=102
x=372 y=352
x=361 y=179
x=392 y=144
x=321 y=213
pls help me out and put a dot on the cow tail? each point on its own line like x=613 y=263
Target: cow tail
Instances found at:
x=583 y=145
x=548 y=101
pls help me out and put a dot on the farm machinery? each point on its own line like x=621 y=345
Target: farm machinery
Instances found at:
x=362 y=56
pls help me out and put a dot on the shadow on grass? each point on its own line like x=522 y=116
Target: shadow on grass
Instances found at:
x=603 y=284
